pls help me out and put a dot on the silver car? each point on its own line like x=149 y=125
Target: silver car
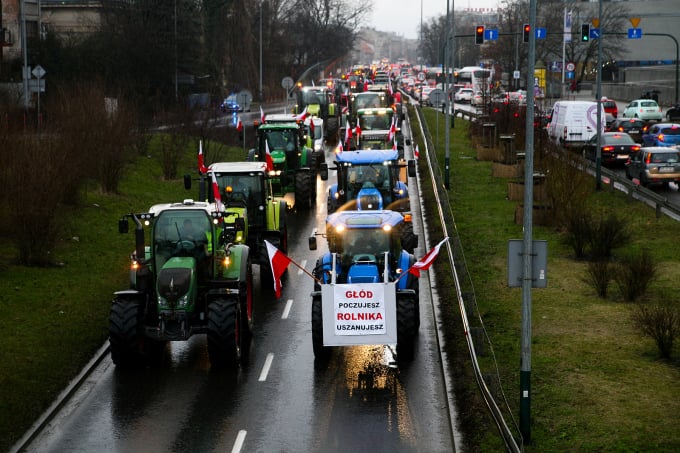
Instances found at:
x=654 y=165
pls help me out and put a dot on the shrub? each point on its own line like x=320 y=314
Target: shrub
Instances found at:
x=661 y=322
x=599 y=276
x=568 y=185
x=579 y=226
x=634 y=273
x=608 y=233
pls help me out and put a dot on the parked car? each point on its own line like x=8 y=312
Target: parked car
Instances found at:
x=654 y=165
x=463 y=95
x=634 y=127
x=609 y=106
x=615 y=148
x=673 y=113
x=662 y=134
x=477 y=98
x=518 y=97
x=425 y=95
x=645 y=109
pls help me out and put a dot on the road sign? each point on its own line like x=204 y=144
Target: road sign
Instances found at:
x=421 y=76
x=634 y=21
x=38 y=72
x=596 y=22
x=540 y=33
x=594 y=33
x=287 y=83
x=490 y=35
x=571 y=66
x=634 y=33
x=515 y=75
x=436 y=97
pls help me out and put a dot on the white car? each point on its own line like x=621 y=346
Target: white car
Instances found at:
x=645 y=109
x=477 y=98
x=463 y=95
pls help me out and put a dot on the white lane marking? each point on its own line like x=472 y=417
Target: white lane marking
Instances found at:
x=265 y=368
x=303 y=264
x=286 y=311
x=238 y=443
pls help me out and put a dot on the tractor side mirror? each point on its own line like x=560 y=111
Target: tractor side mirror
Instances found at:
x=312 y=243
x=411 y=168
x=187 y=182
x=323 y=172
x=408 y=142
x=123 y=225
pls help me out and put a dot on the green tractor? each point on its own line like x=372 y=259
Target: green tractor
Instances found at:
x=246 y=192
x=190 y=279
x=295 y=165
x=319 y=101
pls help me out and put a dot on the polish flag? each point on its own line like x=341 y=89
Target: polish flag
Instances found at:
x=416 y=153
x=393 y=130
x=357 y=130
x=278 y=262
x=348 y=135
x=302 y=116
x=311 y=126
x=201 y=164
x=239 y=124
x=394 y=145
x=268 y=157
x=365 y=85
x=216 y=194
x=263 y=117
x=425 y=262
x=339 y=149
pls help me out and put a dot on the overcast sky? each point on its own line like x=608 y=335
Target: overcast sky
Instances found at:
x=403 y=16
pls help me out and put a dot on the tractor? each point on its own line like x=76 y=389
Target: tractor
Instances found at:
x=371 y=179
x=192 y=278
x=364 y=256
x=375 y=125
x=246 y=192
x=295 y=165
x=319 y=101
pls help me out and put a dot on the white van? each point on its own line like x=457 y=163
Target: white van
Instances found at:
x=573 y=123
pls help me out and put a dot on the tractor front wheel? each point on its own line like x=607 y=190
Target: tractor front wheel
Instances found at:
x=406 y=328
x=321 y=352
x=129 y=346
x=224 y=333
x=303 y=190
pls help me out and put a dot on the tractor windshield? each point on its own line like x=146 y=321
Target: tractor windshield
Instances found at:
x=364 y=241
x=367 y=176
x=181 y=233
x=369 y=122
x=282 y=139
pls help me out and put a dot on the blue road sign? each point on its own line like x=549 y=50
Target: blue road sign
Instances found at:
x=594 y=33
x=490 y=35
x=570 y=75
x=634 y=33
x=540 y=33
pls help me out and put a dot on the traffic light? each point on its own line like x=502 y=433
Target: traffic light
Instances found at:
x=479 y=34
x=526 y=29
x=585 y=32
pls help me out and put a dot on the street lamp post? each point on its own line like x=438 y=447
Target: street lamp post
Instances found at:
x=261 y=94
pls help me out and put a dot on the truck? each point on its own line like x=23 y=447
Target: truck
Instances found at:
x=190 y=279
x=246 y=192
x=573 y=123
x=371 y=179
x=363 y=293
x=295 y=165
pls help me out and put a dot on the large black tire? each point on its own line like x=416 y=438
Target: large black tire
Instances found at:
x=224 y=333
x=406 y=328
x=321 y=352
x=129 y=347
x=332 y=126
x=409 y=240
x=414 y=284
x=266 y=277
x=247 y=319
x=303 y=190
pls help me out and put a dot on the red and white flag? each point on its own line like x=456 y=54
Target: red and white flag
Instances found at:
x=339 y=149
x=268 y=157
x=239 y=124
x=262 y=116
x=302 y=116
x=216 y=193
x=311 y=126
x=201 y=163
x=348 y=135
x=365 y=85
x=416 y=152
x=278 y=262
x=394 y=145
x=425 y=262
x=357 y=130
x=393 y=130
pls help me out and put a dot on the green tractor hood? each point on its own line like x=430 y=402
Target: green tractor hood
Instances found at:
x=176 y=284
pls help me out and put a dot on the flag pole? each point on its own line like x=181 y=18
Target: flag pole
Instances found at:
x=304 y=270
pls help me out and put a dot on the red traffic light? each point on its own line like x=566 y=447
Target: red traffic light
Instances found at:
x=525 y=32
x=479 y=34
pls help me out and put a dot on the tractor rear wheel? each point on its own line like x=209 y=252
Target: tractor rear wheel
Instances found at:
x=129 y=347
x=303 y=190
x=406 y=328
x=321 y=352
x=224 y=332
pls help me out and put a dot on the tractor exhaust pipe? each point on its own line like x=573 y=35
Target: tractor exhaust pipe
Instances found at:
x=139 y=239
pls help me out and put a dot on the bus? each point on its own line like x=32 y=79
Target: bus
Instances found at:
x=474 y=77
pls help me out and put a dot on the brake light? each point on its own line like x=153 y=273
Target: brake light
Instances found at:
x=608 y=148
x=660 y=137
x=636 y=148
x=620 y=129
x=648 y=159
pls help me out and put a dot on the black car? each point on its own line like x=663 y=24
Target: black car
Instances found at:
x=616 y=148
x=673 y=113
x=634 y=127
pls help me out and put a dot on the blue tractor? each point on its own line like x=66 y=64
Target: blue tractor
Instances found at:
x=373 y=179
x=364 y=247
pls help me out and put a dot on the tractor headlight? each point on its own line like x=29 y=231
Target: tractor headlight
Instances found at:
x=183 y=301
